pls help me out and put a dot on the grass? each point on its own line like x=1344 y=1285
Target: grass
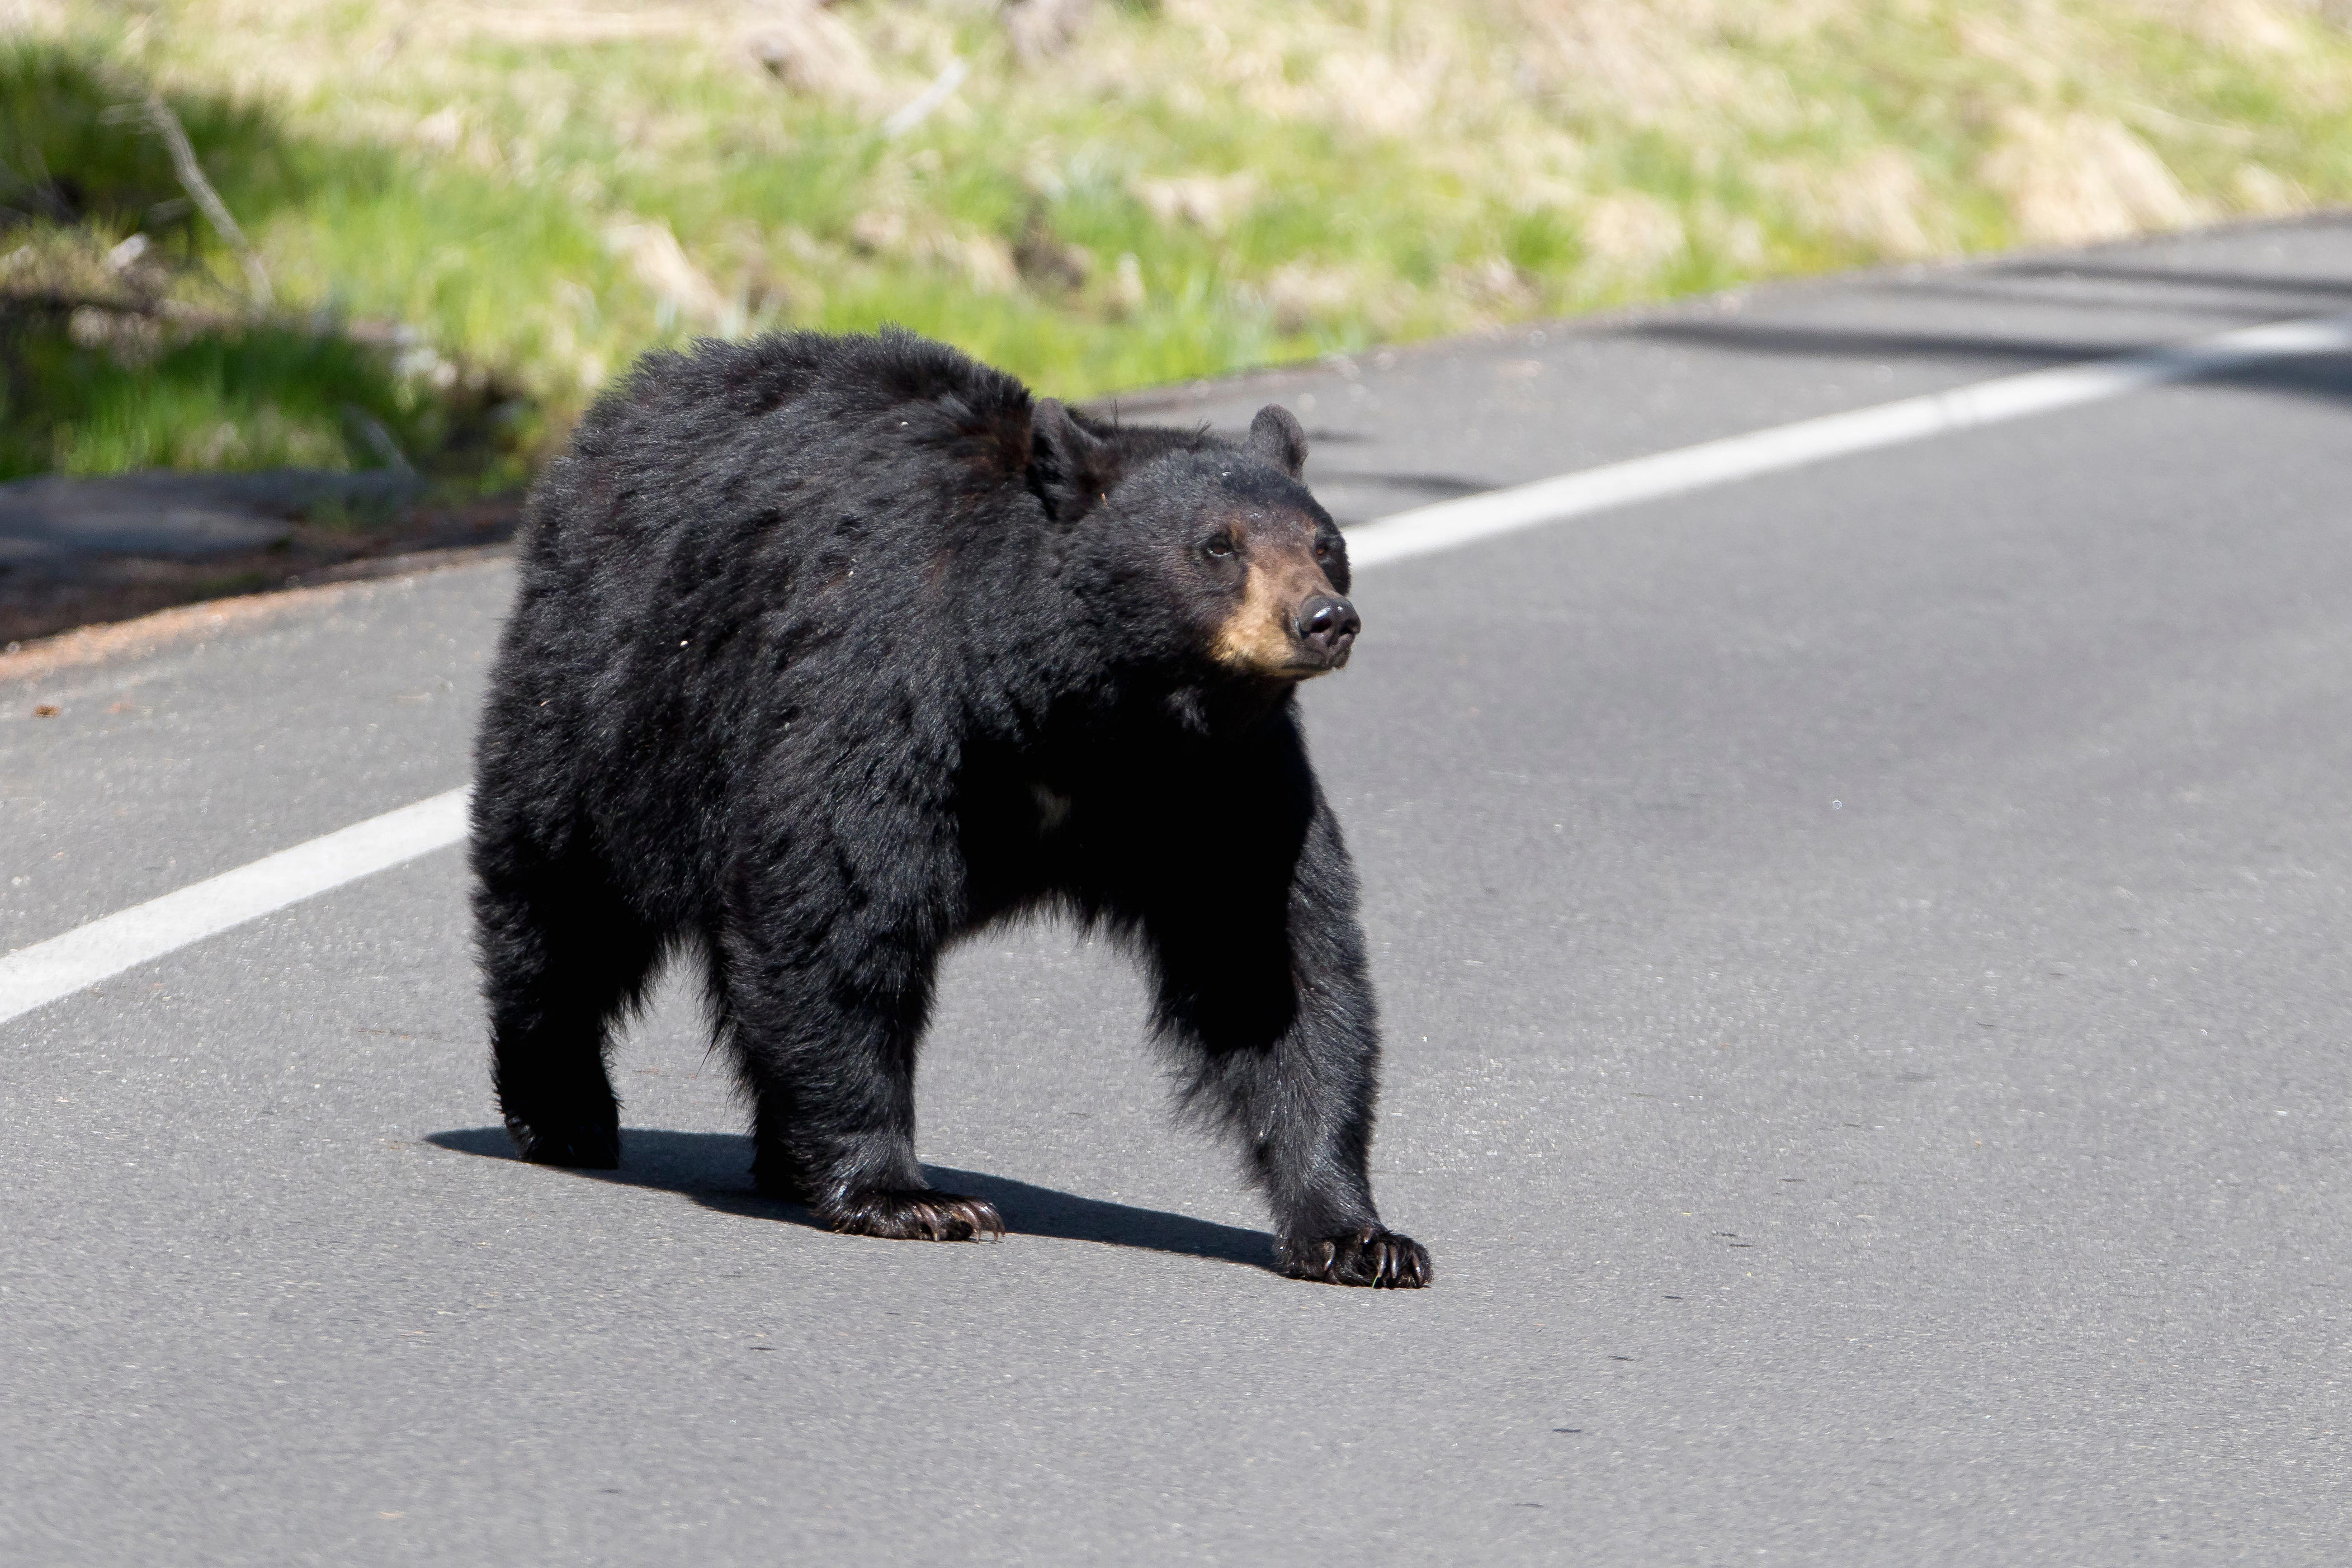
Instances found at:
x=473 y=214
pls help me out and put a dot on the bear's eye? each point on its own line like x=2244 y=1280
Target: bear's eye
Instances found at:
x=1219 y=547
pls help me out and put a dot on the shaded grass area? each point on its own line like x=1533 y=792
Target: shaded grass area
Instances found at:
x=124 y=343
x=474 y=215
x=70 y=152
x=236 y=396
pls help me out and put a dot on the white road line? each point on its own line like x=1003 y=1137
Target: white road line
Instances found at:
x=62 y=965
x=1446 y=525
x=88 y=954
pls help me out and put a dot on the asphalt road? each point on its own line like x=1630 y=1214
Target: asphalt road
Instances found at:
x=1861 y=952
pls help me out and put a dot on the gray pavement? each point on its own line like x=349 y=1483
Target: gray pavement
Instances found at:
x=1861 y=956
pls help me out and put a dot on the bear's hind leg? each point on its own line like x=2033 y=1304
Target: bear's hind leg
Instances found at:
x=562 y=958
x=834 y=1127
x=827 y=1055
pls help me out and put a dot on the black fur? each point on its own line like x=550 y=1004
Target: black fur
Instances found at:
x=830 y=651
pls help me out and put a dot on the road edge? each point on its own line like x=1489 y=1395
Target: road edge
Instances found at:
x=100 y=642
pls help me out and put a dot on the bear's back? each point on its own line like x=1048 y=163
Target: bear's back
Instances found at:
x=782 y=484
x=784 y=558
x=789 y=437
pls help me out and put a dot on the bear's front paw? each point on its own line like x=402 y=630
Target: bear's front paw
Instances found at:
x=918 y=1215
x=1381 y=1258
x=582 y=1144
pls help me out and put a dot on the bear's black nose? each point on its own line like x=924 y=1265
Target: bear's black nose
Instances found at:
x=1330 y=626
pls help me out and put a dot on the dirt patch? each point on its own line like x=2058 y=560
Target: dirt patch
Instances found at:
x=119 y=605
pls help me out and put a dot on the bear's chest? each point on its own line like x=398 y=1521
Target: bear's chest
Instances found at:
x=1053 y=808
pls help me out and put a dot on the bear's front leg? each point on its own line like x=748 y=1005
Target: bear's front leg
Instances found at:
x=824 y=1000
x=1265 y=989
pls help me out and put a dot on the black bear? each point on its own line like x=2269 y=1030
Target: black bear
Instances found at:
x=829 y=651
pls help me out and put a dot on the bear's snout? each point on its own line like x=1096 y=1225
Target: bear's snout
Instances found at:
x=1328 y=625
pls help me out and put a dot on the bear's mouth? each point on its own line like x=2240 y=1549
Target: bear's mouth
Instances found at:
x=1307 y=666
x=1293 y=663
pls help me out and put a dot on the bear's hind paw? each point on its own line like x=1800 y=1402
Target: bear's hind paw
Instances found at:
x=1380 y=1258
x=582 y=1144
x=917 y=1214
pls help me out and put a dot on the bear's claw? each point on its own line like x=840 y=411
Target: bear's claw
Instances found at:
x=1380 y=1258
x=919 y=1214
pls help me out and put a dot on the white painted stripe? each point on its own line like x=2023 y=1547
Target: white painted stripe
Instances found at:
x=88 y=954
x=64 y=964
x=1447 y=525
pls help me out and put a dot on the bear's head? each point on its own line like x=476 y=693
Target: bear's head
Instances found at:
x=1210 y=551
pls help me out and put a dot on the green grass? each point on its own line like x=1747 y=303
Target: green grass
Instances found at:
x=258 y=397
x=1393 y=169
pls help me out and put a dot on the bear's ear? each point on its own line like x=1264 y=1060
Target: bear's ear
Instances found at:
x=1275 y=436
x=1069 y=468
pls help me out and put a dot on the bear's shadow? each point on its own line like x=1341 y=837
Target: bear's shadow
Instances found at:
x=714 y=1170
